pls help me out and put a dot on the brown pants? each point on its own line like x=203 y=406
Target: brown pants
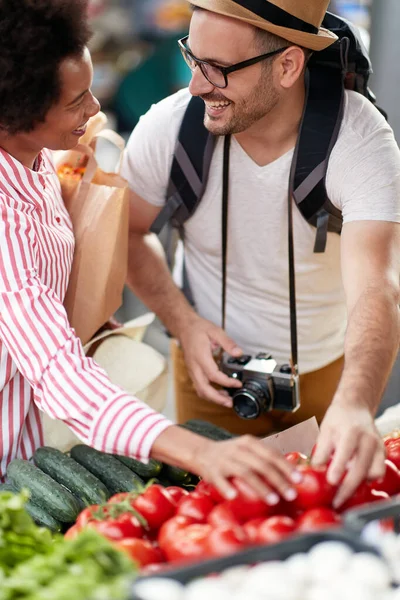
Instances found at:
x=316 y=389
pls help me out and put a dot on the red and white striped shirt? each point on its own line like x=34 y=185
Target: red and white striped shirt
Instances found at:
x=42 y=363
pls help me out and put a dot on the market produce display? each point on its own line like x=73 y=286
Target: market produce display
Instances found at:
x=158 y=526
x=329 y=571
x=122 y=517
x=36 y=564
x=61 y=485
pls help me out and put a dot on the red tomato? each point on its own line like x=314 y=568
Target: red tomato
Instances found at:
x=155 y=505
x=313 y=490
x=390 y=482
x=203 y=488
x=318 y=518
x=226 y=540
x=296 y=458
x=393 y=451
x=247 y=503
x=364 y=494
x=197 y=508
x=207 y=489
x=360 y=496
x=72 y=532
x=251 y=529
x=151 y=535
x=189 y=543
x=176 y=493
x=287 y=508
x=142 y=552
x=223 y=515
x=169 y=529
x=118 y=498
x=86 y=515
x=274 y=529
x=109 y=529
x=395 y=435
x=129 y=525
x=124 y=526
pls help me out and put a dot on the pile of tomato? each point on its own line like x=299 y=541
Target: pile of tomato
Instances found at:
x=171 y=525
x=67 y=171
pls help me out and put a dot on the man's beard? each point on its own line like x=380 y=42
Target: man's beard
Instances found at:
x=247 y=112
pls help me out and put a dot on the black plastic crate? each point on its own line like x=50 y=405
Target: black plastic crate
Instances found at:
x=357 y=518
x=256 y=554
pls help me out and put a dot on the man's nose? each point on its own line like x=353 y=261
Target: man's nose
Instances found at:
x=199 y=84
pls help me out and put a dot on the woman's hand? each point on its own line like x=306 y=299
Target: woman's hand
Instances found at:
x=264 y=469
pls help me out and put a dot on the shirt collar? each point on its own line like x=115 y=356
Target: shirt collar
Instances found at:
x=28 y=183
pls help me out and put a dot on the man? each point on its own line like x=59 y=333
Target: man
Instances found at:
x=358 y=275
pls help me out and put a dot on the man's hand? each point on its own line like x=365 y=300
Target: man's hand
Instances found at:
x=348 y=435
x=267 y=472
x=199 y=340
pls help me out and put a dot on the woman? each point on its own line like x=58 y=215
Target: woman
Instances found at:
x=46 y=103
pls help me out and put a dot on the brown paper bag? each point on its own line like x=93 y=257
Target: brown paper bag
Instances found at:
x=79 y=157
x=98 y=206
x=301 y=438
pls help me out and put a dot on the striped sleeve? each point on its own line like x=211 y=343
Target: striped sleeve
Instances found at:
x=66 y=384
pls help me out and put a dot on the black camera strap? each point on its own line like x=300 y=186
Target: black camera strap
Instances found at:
x=292 y=277
x=225 y=197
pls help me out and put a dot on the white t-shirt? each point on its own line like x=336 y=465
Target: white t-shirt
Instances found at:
x=363 y=181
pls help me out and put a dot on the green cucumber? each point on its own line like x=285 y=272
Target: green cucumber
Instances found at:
x=7 y=487
x=208 y=430
x=38 y=515
x=69 y=473
x=44 y=491
x=115 y=476
x=174 y=474
x=42 y=518
x=164 y=482
x=152 y=469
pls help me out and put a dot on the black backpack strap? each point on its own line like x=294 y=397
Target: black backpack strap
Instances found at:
x=190 y=167
x=319 y=131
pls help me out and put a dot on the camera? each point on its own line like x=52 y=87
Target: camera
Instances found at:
x=266 y=385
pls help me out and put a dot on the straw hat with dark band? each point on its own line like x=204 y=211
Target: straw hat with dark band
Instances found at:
x=298 y=21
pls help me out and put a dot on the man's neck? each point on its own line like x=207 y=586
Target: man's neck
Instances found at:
x=276 y=133
x=20 y=149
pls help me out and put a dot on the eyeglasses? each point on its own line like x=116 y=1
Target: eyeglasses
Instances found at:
x=218 y=76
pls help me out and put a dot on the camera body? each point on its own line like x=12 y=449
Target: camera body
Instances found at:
x=266 y=385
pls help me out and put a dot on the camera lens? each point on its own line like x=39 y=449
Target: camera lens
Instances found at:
x=251 y=400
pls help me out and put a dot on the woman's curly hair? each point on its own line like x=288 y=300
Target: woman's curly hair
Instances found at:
x=35 y=37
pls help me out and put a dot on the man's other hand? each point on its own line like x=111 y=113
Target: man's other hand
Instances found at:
x=351 y=442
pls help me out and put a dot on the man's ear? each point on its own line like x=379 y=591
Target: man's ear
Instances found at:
x=290 y=66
